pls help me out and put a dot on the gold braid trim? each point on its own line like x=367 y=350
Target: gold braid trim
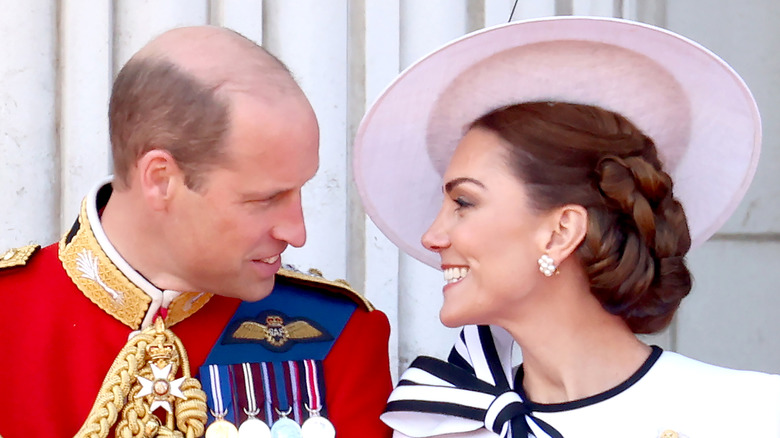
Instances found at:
x=115 y=388
x=99 y=278
x=192 y=415
x=315 y=280
x=156 y=347
x=17 y=257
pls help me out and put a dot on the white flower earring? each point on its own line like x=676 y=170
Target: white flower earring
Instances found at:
x=547 y=265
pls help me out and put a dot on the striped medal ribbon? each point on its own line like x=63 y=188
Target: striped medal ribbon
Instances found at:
x=285 y=427
x=220 y=389
x=316 y=426
x=245 y=375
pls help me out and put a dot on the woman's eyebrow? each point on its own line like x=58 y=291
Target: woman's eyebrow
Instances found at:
x=457 y=181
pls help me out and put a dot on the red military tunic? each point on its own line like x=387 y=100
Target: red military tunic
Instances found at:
x=56 y=346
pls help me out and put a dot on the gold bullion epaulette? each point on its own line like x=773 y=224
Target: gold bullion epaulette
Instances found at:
x=17 y=256
x=314 y=276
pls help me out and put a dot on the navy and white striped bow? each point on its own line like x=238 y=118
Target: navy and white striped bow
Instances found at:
x=473 y=389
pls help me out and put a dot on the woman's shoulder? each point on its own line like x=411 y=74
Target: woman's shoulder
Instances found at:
x=706 y=383
x=688 y=368
x=681 y=394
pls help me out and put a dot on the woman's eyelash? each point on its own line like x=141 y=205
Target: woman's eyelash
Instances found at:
x=462 y=202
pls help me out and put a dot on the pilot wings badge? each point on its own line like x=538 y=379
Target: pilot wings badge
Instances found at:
x=277 y=332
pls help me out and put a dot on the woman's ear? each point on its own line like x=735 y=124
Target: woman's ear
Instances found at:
x=158 y=175
x=569 y=225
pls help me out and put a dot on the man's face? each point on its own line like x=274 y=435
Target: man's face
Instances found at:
x=227 y=237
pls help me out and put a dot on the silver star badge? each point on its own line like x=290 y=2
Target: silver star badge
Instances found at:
x=161 y=388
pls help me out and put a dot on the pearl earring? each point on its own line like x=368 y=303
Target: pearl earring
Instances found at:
x=547 y=265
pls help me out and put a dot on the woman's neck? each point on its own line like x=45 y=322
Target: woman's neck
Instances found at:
x=574 y=349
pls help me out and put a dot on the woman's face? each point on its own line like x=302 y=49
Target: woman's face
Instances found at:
x=488 y=237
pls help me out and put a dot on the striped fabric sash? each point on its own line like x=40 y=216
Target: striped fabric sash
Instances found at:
x=472 y=390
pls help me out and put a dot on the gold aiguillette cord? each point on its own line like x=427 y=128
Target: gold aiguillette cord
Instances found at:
x=141 y=380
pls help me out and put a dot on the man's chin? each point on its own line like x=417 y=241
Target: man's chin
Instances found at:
x=257 y=292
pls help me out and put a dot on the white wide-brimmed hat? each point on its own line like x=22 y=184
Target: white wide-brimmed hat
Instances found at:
x=698 y=111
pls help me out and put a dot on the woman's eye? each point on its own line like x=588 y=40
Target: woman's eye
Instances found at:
x=462 y=202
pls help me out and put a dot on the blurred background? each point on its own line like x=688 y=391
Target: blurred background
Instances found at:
x=58 y=58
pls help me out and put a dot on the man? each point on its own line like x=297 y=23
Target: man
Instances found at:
x=176 y=259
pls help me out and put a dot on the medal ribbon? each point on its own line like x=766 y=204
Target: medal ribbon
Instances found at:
x=313 y=385
x=267 y=371
x=269 y=419
x=291 y=367
x=248 y=384
x=249 y=387
x=239 y=397
x=279 y=378
x=217 y=386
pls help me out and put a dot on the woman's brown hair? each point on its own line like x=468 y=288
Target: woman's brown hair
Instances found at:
x=637 y=237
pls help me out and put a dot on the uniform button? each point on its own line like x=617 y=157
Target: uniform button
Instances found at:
x=669 y=434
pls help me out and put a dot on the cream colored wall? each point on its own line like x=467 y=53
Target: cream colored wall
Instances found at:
x=57 y=59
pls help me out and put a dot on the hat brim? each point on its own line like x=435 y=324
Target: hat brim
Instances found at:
x=698 y=111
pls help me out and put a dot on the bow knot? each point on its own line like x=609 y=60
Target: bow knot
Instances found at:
x=505 y=408
x=473 y=390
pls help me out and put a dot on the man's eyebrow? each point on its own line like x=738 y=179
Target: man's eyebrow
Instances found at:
x=450 y=186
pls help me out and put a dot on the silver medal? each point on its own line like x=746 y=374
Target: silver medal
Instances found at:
x=285 y=428
x=318 y=427
x=254 y=428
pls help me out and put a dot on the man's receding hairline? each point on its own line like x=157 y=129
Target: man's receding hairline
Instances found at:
x=277 y=79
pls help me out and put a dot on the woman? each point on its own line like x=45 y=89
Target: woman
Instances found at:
x=552 y=142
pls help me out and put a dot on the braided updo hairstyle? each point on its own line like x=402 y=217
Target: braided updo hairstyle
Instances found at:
x=637 y=236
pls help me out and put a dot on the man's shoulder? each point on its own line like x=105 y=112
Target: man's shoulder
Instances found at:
x=28 y=264
x=17 y=257
x=29 y=268
x=313 y=280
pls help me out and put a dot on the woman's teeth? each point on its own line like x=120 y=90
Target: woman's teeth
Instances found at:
x=451 y=275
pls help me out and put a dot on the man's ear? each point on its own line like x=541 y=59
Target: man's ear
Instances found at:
x=569 y=226
x=158 y=175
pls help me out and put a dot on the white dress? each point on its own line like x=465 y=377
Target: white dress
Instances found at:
x=670 y=396
x=680 y=395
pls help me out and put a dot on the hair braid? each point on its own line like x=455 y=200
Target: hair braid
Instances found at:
x=650 y=275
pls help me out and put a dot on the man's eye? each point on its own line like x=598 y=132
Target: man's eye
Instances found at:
x=265 y=201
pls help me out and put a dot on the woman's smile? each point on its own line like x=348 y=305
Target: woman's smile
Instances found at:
x=455 y=274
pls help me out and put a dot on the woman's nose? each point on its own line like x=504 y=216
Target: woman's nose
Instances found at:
x=435 y=238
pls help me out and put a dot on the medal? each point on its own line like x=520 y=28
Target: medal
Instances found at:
x=317 y=426
x=221 y=428
x=253 y=428
x=284 y=427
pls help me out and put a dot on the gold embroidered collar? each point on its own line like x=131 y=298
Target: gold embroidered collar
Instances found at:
x=109 y=281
